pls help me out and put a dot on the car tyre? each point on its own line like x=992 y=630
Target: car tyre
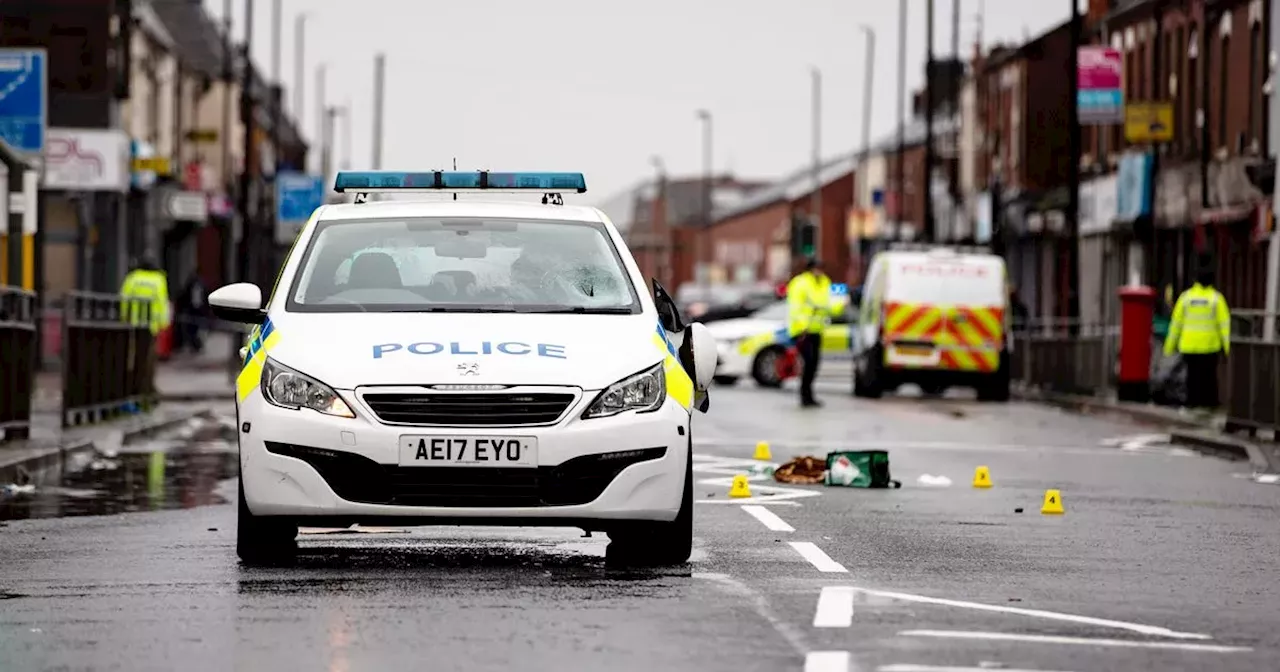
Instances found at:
x=262 y=540
x=868 y=374
x=658 y=543
x=764 y=368
x=727 y=381
x=997 y=388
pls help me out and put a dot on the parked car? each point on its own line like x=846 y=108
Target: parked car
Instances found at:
x=760 y=347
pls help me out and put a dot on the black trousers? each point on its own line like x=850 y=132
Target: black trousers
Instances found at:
x=1202 y=380
x=810 y=348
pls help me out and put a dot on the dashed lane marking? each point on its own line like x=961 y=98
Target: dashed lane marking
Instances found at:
x=1084 y=641
x=835 y=608
x=768 y=518
x=826 y=661
x=901 y=667
x=817 y=557
x=1152 y=630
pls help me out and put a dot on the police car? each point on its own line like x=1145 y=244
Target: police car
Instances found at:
x=456 y=361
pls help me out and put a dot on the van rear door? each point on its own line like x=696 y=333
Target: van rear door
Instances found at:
x=946 y=312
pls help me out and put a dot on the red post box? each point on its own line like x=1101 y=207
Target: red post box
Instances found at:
x=1137 y=308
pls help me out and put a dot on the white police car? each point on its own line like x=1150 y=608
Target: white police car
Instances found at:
x=466 y=362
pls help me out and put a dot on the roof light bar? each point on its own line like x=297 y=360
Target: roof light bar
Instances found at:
x=391 y=182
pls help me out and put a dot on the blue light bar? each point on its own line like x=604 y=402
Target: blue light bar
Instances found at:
x=388 y=181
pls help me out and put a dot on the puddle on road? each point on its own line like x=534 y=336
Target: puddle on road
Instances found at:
x=177 y=469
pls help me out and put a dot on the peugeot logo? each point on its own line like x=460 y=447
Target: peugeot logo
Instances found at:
x=469 y=369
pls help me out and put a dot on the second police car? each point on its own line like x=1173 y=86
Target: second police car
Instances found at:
x=460 y=361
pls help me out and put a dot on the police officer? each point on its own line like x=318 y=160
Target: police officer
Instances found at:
x=1200 y=331
x=146 y=283
x=809 y=312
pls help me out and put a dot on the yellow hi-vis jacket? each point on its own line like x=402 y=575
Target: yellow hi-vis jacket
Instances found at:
x=151 y=287
x=808 y=304
x=1201 y=323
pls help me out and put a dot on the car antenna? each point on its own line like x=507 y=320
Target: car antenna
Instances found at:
x=455 y=168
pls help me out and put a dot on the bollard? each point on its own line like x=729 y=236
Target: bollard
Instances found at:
x=1137 y=308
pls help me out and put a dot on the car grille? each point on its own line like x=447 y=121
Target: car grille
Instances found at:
x=356 y=478
x=469 y=410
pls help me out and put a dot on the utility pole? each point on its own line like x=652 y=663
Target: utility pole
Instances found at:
x=953 y=90
x=277 y=102
x=1073 y=163
x=228 y=77
x=345 y=112
x=246 y=119
x=901 y=179
x=868 y=88
x=815 y=206
x=299 y=66
x=379 y=82
x=321 y=122
x=326 y=151
x=699 y=241
x=930 y=231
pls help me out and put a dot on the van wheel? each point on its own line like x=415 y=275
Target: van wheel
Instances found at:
x=261 y=540
x=997 y=387
x=657 y=543
x=868 y=374
x=764 y=368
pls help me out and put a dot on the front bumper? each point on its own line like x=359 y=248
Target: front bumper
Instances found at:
x=296 y=464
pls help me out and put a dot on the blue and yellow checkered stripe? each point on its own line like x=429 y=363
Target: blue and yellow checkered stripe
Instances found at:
x=261 y=340
x=679 y=384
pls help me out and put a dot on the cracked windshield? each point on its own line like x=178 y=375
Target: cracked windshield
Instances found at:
x=462 y=265
x=714 y=336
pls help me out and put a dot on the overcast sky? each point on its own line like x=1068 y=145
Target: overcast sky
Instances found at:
x=601 y=86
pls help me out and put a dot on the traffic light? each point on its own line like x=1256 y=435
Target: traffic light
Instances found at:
x=802 y=237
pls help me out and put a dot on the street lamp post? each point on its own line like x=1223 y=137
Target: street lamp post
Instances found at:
x=299 y=65
x=699 y=242
x=815 y=207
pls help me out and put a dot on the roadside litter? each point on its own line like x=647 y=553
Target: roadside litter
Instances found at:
x=929 y=480
x=846 y=468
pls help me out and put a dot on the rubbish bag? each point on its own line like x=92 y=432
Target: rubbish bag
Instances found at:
x=807 y=470
x=860 y=469
x=1169 y=380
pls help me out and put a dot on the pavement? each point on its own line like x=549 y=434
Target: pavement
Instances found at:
x=189 y=385
x=1164 y=560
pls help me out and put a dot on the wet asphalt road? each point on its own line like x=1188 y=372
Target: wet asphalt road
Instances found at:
x=1165 y=560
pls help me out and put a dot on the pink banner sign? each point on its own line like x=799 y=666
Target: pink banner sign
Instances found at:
x=1100 y=68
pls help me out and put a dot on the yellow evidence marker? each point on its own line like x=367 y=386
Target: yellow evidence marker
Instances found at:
x=762 y=451
x=982 y=477
x=1052 y=503
x=739 y=489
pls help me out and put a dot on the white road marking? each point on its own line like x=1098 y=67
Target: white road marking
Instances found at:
x=760 y=603
x=1054 y=639
x=817 y=558
x=826 y=661
x=769 y=518
x=1152 y=630
x=901 y=667
x=1118 y=441
x=835 y=608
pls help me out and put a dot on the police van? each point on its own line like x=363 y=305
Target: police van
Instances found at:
x=459 y=361
x=935 y=317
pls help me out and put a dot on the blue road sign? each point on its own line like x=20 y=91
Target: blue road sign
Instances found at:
x=24 y=98
x=297 y=196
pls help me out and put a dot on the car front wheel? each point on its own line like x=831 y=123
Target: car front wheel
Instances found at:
x=262 y=539
x=658 y=543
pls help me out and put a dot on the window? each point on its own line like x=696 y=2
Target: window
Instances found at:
x=468 y=265
x=1224 y=73
x=1256 y=111
x=773 y=312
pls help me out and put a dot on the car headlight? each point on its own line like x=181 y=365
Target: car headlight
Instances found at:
x=287 y=388
x=644 y=391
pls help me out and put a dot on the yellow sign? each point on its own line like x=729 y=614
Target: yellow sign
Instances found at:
x=203 y=135
x=1148 y=122
x=157 y=164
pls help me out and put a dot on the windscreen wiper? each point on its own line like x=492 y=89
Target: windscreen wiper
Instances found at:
x=456 y=309
x=584 y=310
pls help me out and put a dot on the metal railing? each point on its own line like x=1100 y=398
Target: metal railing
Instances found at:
x=108 y=358
x=1065 y=356
x=1253 y=373
x=17 y=361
